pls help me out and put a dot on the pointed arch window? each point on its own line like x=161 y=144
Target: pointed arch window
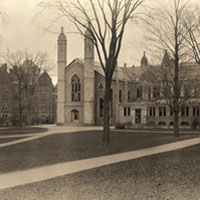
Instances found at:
x=100 y=86
x=120 y=96
x=101 y=105
x=76 y=89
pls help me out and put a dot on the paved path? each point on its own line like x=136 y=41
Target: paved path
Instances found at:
x=47 y=172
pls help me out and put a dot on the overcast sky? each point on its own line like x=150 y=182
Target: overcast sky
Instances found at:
x=18 y=32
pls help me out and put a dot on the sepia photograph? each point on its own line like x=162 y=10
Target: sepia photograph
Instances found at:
x=100 y=100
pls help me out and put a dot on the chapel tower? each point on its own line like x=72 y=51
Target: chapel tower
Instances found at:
x=88 y=78
x=61 y=64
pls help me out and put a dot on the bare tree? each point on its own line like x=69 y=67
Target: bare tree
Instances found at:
x=25 y=69
x=192 y=28
x=166 y=31
x=107 y=21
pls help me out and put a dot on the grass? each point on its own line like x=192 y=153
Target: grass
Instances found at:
x=74 y=146
x=5 y=140
x=21 y=130
x=167 y=176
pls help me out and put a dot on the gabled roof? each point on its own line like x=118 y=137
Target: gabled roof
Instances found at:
x=45 y=76
x=128 y=73
x=137 y=73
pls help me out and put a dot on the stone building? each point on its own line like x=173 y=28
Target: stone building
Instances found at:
x=42 y=102
x=6 y=96
x=134 y=99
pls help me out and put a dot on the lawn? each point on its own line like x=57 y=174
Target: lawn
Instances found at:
x=60 y=148
x=5 y=140
x=167 y=176
x=21 y=130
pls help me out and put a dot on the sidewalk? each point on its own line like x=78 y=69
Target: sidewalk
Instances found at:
x=48 y=172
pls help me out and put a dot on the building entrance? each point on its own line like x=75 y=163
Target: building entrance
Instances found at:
x=137 y=116
x=75 y=116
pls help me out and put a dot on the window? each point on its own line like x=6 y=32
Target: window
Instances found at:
x=76 y=89
x=171 y=112
x=171 y=123
x=184 y=124
x=129 y=96
x=162 y=111
x=15 y=97
x=120 y=96
x=187 y=91
x=124 y=111
x=5 y=109
x=43 y=100
x=149 y=92
x=139 y=92
x=100 y=86
x=152 y=111
x=156 y=92
x=101 y=107
x=195 y=112
x=196 y=92
x=162 y=123
x=5 y=116
x=185 y=111
x=127 y=111
x=4 y=97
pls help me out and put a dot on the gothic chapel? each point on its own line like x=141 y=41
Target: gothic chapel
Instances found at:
x=81 y=90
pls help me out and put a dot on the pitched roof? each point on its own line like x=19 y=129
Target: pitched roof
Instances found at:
x=128 y=73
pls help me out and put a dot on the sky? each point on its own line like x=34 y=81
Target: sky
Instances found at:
x=19 y=31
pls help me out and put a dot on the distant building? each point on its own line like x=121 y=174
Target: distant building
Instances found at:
x=40 y=108
x=6 y=96
x=81 y=90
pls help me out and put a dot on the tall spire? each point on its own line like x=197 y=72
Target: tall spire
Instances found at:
x=144 y=60
x=61 y=64
x=88 y=79
x=62 y=36
x=166 y=58
x=89 y=46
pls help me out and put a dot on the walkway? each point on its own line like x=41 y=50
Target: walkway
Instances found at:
x=47 y=172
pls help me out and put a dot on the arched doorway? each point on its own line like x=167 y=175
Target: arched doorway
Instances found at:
x=75 y=116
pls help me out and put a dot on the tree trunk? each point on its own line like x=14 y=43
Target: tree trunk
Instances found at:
x=20 y=111
x=176 y=124
x=29 y=110
x=20 y=104
x=106 y=109
x=176 y=83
